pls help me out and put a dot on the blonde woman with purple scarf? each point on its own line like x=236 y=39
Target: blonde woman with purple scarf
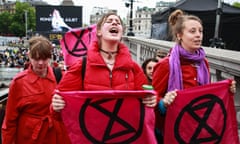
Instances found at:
x=186 y=66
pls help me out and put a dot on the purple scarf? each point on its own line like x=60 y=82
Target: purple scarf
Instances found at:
x=175 y=77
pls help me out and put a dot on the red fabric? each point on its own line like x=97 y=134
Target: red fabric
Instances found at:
x=204 y=114
x=161 y=74
x=160 y=81
x=55 y=64
x=28 y=118
x=108 y=117
x=126 y=74
x=75 y=43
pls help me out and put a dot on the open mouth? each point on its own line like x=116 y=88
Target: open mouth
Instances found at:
x=198 y=42
x=113 y=30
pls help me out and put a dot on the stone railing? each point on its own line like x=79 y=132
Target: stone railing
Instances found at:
x=223 y=63
x=7 y=73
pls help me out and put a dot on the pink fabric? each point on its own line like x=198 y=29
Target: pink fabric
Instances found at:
x=75 y=43
x=108 y=117
x=203 y=114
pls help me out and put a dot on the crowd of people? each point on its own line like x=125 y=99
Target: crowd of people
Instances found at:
x=17 y=57
x=13 y=57
x=33 y=93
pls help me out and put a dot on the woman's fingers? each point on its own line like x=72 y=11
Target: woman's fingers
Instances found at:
x=169 y=98
x=150 y=101
x=233 y=87
x=57 y=102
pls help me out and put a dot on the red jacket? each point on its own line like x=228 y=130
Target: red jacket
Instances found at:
x=161 y=75
x=160 y=81
x=126 y=74
x=28 y=119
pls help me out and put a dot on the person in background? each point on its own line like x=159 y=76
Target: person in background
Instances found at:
x=28 y=118
x=186 y=66
x=110 y=60
x=160 y=54
x=61 y=64
x=147 y=67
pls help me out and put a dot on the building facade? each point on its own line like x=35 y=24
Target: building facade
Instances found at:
x=98 y=12
x=7 y=7
x=142 y=22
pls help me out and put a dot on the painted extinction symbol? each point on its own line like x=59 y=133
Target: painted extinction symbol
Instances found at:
x=80 y=47
x=200 y=113
x=109 y=117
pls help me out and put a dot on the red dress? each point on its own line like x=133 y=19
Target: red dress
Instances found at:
x=28 y=119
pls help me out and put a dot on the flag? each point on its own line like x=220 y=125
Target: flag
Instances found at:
x=109 y=117
x=204 y=114
x=75 y=43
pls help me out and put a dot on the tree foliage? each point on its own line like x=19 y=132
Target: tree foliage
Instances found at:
x=236 y=4
x=5 y=21
x=15 y=23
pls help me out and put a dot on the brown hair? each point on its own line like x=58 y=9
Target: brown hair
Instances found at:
x=145 y=63
x=104 y=18
x=102 y=21
x=40 y=48
x=176 y=21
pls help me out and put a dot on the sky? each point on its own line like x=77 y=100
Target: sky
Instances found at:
x=112 y=4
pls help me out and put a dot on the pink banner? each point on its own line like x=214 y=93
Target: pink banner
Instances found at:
x=204 y=114
x=75 y=43
x=108 y=117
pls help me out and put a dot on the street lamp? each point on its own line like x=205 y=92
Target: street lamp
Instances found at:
x=217 y=42
x=130 y=32
x=26 y=22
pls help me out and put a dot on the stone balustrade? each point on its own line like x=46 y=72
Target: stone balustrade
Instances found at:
x=224 y=64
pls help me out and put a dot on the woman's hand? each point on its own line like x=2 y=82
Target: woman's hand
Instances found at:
x=169 y=98
x=233 y=86
x=150 y=101
x=57 y=103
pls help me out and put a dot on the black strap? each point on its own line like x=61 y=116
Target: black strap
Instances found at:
x=58 y=73
x=84 y=63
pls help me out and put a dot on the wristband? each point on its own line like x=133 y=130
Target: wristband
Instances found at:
x=161 y=107
x=147 y=87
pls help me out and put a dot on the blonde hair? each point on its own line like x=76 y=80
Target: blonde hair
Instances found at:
x=176 y=22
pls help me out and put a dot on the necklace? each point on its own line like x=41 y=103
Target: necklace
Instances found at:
x=108 y=63
x=110 y=54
